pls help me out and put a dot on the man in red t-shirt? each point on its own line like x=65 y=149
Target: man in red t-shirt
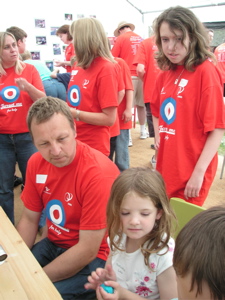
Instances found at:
x=72 y=181
x=125 y=47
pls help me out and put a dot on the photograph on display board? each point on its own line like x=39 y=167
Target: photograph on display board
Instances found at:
x=49 y=64
x=35 y=55
x=80 y=16
x=54 y=30
x=40 y=23
x=56 y=49
x=68 y=17
x=93 y=16
x=41 y=40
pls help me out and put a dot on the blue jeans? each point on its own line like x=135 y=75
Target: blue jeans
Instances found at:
x=122 y=159
x=13 y=148
x=55 y=88
x=73 y=287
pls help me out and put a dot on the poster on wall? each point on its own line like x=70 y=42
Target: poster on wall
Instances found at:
x=93 y=16
x=54 y=30
x=40 y=23
x=56 y=49
x=80 y=16
x=41 y=40
x=35 y=55
x=68 y=17
x=49 y=64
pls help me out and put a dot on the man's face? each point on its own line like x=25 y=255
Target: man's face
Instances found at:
x=184 y=293
x=55 y=140
x=22 y=45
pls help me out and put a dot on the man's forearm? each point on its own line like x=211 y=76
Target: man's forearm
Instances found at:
x=28 y=232
x=68 y=263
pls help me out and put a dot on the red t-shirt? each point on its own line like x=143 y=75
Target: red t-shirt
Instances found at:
x=188 y=111
x=145 y=56
x=220 y=55
x=14 y=102
x=94 y=89
x=126 y=47
x=115 y=128
x=69 y=52
x=128 y=85
x=75 y=196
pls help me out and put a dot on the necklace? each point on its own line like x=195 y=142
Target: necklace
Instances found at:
x=177 y=79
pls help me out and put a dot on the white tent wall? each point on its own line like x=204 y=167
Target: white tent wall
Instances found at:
x=110 y=12
x=204 y=14
x=23 y=14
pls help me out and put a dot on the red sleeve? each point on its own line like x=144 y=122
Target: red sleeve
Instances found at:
x=212 y=103
x=33 y=203
x=36 y=79
x=116 y=48
x=140 y=55
x=107 y=87
x=155 y=101
x=121 y=85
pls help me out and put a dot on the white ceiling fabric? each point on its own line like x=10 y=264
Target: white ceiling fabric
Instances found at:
x=146 y=6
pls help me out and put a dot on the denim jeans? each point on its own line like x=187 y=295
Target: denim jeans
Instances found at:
x=73 y=287
x=122 y=159
x=55 y=88
x=13 y=148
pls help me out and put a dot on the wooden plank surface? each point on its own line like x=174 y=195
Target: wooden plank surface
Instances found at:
x=21 y=276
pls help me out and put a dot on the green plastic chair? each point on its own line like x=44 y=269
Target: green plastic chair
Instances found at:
x=184 y=212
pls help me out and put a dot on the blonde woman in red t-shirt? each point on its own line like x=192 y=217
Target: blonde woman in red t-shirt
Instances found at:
x=93 y=86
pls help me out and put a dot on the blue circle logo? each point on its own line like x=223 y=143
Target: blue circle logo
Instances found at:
x=74 y=95
x=168 y=110
x=10 y=94
x=55 y=212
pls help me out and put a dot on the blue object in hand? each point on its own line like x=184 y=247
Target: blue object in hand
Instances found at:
x=107 y=288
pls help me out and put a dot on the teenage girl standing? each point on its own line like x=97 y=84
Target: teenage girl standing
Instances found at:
x=187 y=106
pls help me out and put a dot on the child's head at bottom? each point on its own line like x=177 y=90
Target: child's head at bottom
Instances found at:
x=139 y=207
x=199 y=256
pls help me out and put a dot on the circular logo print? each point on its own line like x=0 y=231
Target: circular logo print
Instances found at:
x=168 y=110
x=74 y=95
x=10 y=94
x=55 y=212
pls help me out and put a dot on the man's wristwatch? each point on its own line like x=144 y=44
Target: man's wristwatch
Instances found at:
x=77 y=115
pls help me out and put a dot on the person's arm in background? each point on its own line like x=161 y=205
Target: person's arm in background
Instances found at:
x=156 y=129
x=105 y=118
x=121 y=95
x=127 y=114
x=62 y=63
x=140 y=71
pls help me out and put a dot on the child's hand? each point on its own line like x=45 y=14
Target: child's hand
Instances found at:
x=99 y=276
x=103 y=295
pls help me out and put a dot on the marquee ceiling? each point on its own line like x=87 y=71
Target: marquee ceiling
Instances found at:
x=147 y=6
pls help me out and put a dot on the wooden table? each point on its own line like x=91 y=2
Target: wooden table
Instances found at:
x=21 y=276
